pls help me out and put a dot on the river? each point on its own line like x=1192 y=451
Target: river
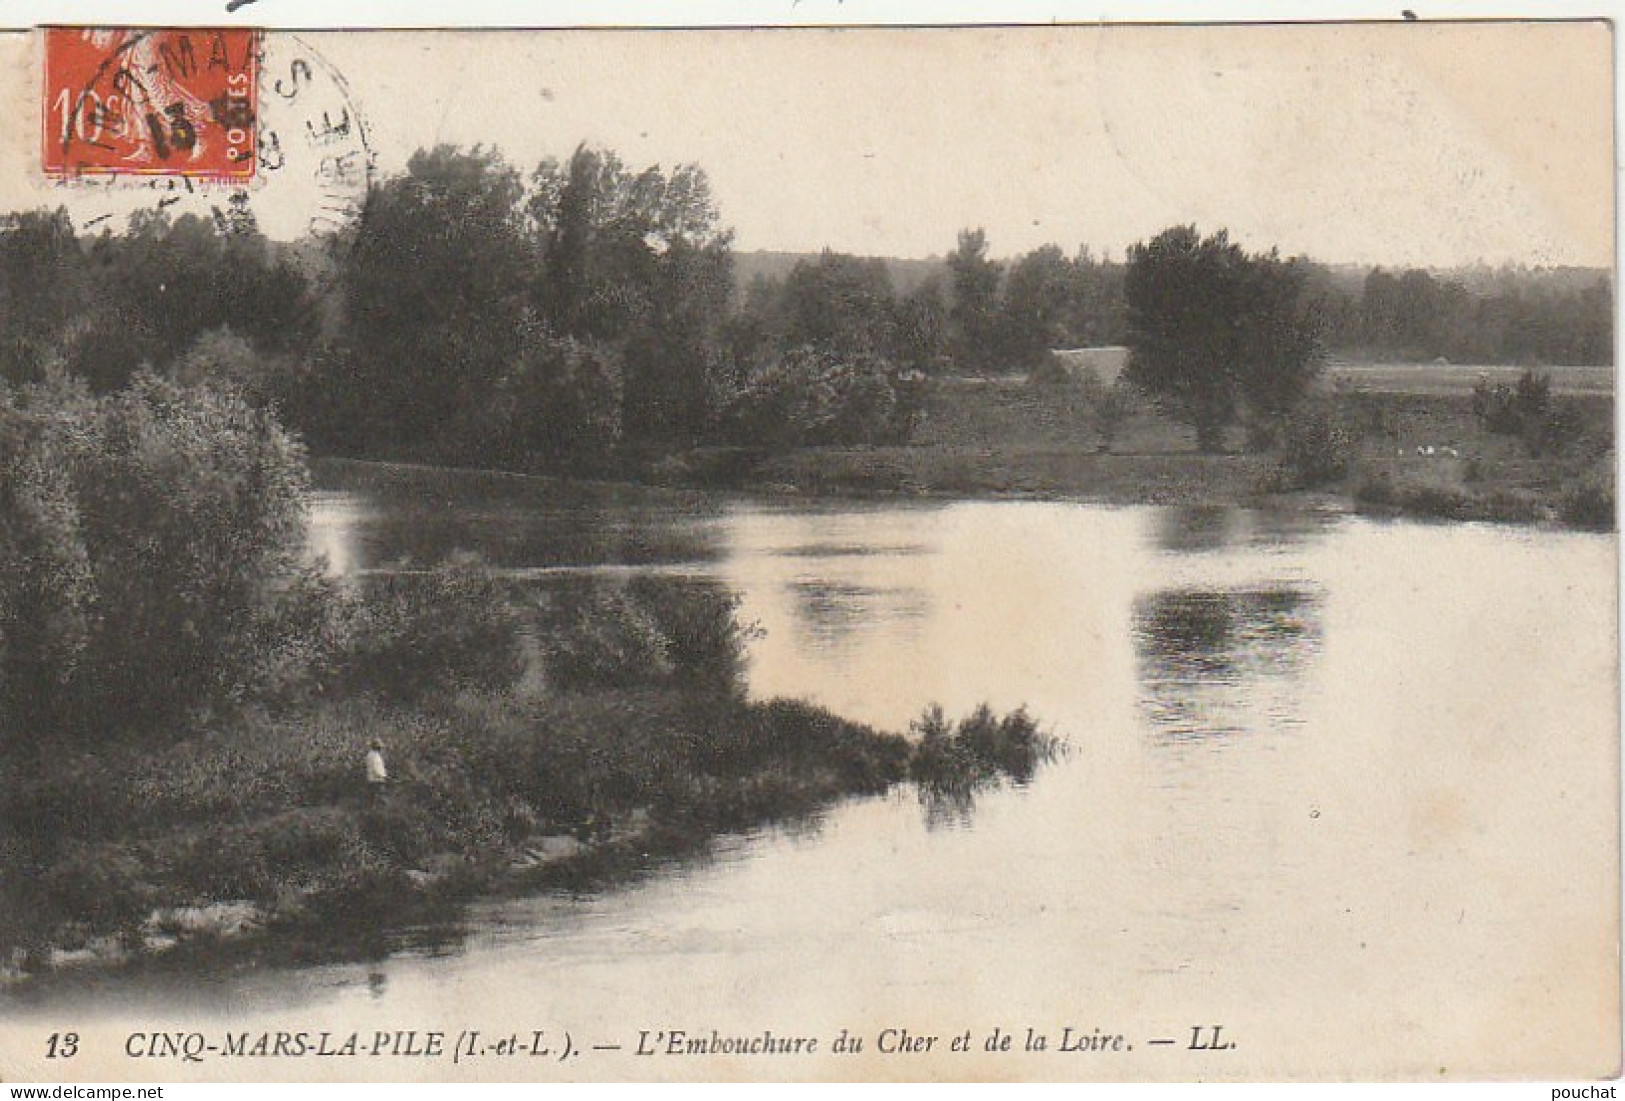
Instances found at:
x=1346 y=788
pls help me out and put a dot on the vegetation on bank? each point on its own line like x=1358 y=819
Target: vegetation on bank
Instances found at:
x=588 y=317
x=263 y=823
x=272 y=810
x=979 y=749
x=186 y=703
x=185 y=698
x=1387 y=453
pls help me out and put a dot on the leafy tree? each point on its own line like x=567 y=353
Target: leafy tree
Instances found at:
x=1212 y=329
x=151 y=555
x=813 y=396
x=43 y=282
x=845 y=306
x=1591 y=324
x=754 y=331
x=922 y=328
x=559 y=406
x=841 y=303
x=1038 y=292
x=974 y=317
x=674 y=364
x=47 y=586
x=1509 y=315
x=1094 y=310
x=164 y=282
x=435 y=290
x=1379 y=309
x=223 y=358
x=1337 y=300
x=1280 y=343
x=1183 y=301
x=638 y=260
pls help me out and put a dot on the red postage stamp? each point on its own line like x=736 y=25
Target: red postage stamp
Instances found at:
x=147 y=101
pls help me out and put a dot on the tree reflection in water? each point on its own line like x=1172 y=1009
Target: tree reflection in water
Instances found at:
x=1204 y=529
x=1224 y=661
x=831 y=615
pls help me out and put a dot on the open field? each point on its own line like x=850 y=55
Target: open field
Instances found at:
x=1414 y=445
x=1452 y=378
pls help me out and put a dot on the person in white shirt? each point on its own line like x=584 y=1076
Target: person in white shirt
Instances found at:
x=377 y=774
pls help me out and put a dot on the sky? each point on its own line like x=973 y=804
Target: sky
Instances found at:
x=1397 y=144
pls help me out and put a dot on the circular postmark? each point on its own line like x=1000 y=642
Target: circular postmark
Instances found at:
x=315 y=162
x=292 y=146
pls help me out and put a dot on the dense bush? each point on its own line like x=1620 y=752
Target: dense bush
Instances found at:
x=977 y=750
x=1436 y=502
x=1526 y=409
x=1556 y=432
x=411 y=635
x=1049 y=372
x=224 y=359
x=558 y=407
x=103 y=887
x=598 y=636
x=1382 y=494
x=650 y=631
x=150 y=554
x=1109 y=407
x=1590 y=507
x=1376 y=491
x=705 y=639
x=803 y=737
x=1495 y=406
x=1106 y=405
x=811 y=396
x=1315 y=447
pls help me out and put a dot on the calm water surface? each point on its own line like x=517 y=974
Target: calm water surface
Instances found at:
x=1346 y=787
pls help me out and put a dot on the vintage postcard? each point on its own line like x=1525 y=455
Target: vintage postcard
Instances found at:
x=983 y=553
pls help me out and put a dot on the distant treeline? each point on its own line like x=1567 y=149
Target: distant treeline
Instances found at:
x=1537 y=317
x=1477 y=315
x=578 y=317
x=588 y=314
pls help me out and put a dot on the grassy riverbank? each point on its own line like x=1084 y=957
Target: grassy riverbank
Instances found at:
x=268 y=822
x=257 y=830
x=1409 y=443
x=187 y=700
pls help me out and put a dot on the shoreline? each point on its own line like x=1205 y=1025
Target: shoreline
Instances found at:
x=1383 y=451
x=825 y=476
x=772 y=762
x=251 y=827
x=416 y=904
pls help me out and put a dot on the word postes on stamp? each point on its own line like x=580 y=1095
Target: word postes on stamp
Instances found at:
x=151 y=102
